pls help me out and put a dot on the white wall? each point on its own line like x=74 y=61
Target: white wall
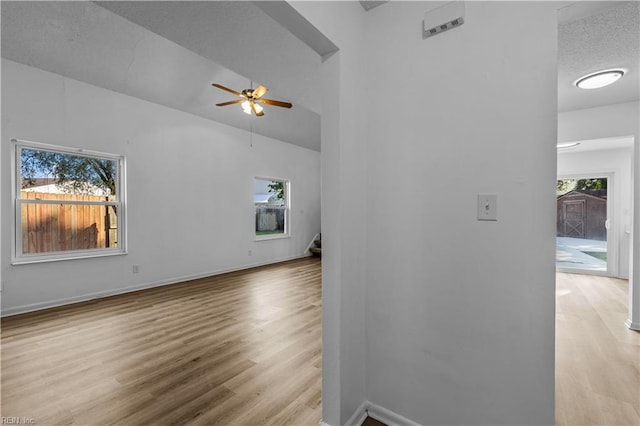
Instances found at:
x=459 y=314
x=617 y=161
x=598 y=123
x=190 y=189
x=344 y=214
x=606 y=122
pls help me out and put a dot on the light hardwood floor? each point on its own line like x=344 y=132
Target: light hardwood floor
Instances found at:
x=244 y=348
x=597 y=356
x=240 y=348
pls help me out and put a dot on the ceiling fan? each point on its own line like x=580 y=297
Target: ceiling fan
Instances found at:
x=250 y=100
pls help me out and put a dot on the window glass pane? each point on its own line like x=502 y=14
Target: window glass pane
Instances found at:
x=48 y=172
x=581 y=236
x=270 y=202
x=63 y=227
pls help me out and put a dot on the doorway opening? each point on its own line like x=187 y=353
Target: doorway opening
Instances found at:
x=583 y=224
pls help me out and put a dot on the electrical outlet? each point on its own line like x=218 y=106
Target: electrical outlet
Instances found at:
x=250 y=253
x=136 y=269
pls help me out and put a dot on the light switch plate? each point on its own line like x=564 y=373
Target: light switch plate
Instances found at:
x=488 y=207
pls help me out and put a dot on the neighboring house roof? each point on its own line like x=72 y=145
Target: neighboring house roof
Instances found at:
x=30 y=183
x=269 y=199
x=49 y=186
x=600 y=194
x=261 y=198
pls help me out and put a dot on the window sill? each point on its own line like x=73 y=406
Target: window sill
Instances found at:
x=26 y=260
x=271 y=237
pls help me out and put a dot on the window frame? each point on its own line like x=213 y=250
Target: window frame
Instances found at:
x=17 y=255
x=287 y=210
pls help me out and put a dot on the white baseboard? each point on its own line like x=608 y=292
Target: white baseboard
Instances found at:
x=632 y=325
x=106 y=293
x=388 y=417
x=359 y=415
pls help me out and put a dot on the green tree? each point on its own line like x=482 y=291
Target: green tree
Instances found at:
x=70 y=171
x=277 y=187
x=568 y=185
x=591 y=184
x=564 y=186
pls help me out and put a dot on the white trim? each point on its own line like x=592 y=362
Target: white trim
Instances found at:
x=70 y=202
x=359 y=415
x=66 y=149
x=268 y=237
x=389 y=417
x=379 y=413
x=286 y=208
x=632 y=325
x=612 y=234
x=17 y=255
x=97 y=295
x=59 y=256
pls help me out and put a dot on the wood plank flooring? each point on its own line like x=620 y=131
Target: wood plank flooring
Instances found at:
x=370 y=421
x=242 y=348
x=597 y=356
x=245 y=349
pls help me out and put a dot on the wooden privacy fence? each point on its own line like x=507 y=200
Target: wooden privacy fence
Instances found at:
x=269 y=218
x=64 y=226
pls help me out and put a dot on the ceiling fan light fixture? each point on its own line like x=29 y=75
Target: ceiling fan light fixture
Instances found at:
x=250 y=100
x=246 y=107
x=599 y=79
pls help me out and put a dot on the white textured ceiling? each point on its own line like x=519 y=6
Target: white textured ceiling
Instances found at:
x=237 y=35
x=170 y=53
x=595 y=36
x=175 y=60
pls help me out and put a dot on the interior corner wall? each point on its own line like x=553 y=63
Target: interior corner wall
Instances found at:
x=459 y=314
x=344 y=218
x=605 y=122
x=189 y=185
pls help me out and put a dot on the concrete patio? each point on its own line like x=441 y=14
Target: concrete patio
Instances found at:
x=570 y=254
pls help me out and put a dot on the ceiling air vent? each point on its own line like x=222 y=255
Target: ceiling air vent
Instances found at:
x=443 y=18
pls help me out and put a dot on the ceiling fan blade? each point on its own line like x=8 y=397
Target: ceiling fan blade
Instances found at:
x=275 y=103
x=256 y=112
x=259 y=91
x=237 y=101
x=220 y=86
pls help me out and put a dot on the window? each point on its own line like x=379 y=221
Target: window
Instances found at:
x=271 y=201
x=69 y=203
x=582 y=224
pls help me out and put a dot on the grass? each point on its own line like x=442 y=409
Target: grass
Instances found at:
x=602 y=255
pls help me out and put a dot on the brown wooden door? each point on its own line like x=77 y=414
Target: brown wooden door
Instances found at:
x=574 y=213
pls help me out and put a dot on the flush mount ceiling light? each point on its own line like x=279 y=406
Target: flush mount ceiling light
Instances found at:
x=250 y=100
x=599 y=79
x=567 y=145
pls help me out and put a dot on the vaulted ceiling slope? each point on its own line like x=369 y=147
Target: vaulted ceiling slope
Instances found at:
x=594 y=36
x=170 y=52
